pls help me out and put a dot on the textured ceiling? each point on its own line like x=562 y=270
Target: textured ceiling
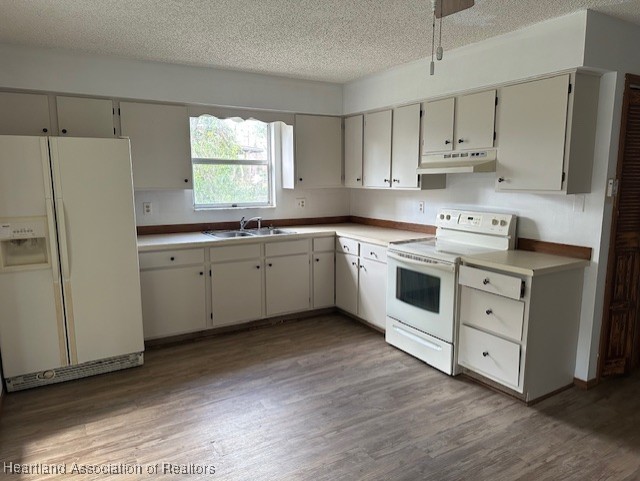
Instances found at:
x=329 y=40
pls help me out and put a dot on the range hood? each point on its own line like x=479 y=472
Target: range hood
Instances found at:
x=458 y=162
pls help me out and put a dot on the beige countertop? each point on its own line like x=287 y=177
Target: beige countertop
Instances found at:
x=524 y=262
x=363 y=233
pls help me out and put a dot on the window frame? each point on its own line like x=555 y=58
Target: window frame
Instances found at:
x=269 y=162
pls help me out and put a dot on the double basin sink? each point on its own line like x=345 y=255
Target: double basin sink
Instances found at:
x=226 y=234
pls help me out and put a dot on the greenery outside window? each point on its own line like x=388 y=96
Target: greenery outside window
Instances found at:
x=232 y=162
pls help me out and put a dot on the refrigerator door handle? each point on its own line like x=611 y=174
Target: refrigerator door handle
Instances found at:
x=53 y=248
x=64 y=248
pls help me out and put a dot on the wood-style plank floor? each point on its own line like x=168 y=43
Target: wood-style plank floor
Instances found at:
x=319 y=399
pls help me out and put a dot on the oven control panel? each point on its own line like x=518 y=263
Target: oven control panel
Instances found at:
x=478 y=222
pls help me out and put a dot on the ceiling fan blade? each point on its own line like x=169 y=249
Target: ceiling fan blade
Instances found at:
x=452 y=6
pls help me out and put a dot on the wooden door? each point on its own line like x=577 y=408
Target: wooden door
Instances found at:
x=353 y=151
x=620 y=340
x=82 y=117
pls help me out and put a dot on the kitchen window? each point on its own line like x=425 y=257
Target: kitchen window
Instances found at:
x=232 y=162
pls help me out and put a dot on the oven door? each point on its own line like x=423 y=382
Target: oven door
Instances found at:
x=422 y=295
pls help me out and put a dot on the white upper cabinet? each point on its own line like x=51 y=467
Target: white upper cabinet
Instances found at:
x=318 y=154
x=459 y=123
x=438 y=125
x=475 y=120
x=405 y=147
x=24 y=114
x=377 y=149
x=546 y=135
x=83 y=117
x=353 y=130
x=160 y=144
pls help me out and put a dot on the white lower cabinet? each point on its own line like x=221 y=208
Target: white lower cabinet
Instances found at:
x=323 y=279
x=173 y=295
x=519 y=331
x=287 y=284
x=236 y=291
x=361 y=280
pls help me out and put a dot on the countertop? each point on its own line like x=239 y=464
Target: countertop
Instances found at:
x=364 y=233
x=524 y=262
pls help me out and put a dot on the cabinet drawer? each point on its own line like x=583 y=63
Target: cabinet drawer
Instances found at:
x=373 y=252
x=324 y=244
x=347 y=246
x=492 y=282
x=171 y=258
x=233 y=253
x=492 y=313
x=489 y=355
x=285 y=248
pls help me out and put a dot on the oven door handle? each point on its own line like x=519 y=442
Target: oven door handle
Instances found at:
x=425 y=265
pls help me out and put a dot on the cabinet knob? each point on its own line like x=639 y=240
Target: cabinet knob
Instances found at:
x=485 y=353
x=447 y=142
x=386 y=180
x=345 y=247
x=396 y=180
x=460 y=141
x=488 y=312
x=358 y=179
x=202 y=273
x=373 y=254
x=270 y=264
x=300 y=179
x=45 y=130
x=64 y=131
x=258 y=267
x=186 y=180
x=317 y=260
x=485 y=281
x=500 y=179
x=353 y=264
x=173 y=259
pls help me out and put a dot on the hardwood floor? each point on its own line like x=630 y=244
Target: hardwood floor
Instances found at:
x=319 y=399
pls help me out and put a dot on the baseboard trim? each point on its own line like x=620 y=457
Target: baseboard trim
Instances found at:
x=585 y=385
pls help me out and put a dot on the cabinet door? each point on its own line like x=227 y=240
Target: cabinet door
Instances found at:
x=377 y=149
x=347 y=282
x=236 y=291
x=81 y=117
x=323 y=279
x=531 y=126
x=287 y=285
x=437 y=126
x=160 y=144
x=24 y=114
x=173 y=301
x=372 y=292
x=475 y=120
x=353 y=151
x=318 y=151
x=405 y=150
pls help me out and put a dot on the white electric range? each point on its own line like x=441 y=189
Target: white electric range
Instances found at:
x=422 y=287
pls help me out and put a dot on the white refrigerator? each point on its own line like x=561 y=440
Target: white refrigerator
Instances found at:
x=69 y=280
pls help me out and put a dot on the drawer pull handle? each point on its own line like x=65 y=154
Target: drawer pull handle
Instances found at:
x=345 y=247
x=488 y=312
x=485 y=353
x=485 y=281
x=373 y=254
x=353 y=264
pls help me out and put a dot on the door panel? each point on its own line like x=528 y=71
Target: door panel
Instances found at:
x=372 y=292
x=236 y=291
x=353 y=129
x=347 y=282
x=318 y=151
x=24 y=114
x=287 y=286
x=437 y=126
x=82 y=117
x=98 y=246
x=405 y=146
x=475 y=120
x=377 y=149
x=323 y=279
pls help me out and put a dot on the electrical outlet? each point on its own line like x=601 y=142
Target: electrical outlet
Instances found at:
x=301 y=203
x=147 y=208
x=421 y=207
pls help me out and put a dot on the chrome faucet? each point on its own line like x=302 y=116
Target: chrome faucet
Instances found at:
x=243 y=222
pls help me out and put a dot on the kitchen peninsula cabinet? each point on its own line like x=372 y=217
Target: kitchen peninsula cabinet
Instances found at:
x=173 y=292
x=545 y=135
x=519 y=319
x=160 y=144
x=24 y=114
x=85 y=117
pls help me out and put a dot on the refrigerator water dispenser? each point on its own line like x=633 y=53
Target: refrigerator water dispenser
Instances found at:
x=23 y=243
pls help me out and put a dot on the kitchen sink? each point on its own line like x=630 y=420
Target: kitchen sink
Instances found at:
x=228 y=234
x=265 y=231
